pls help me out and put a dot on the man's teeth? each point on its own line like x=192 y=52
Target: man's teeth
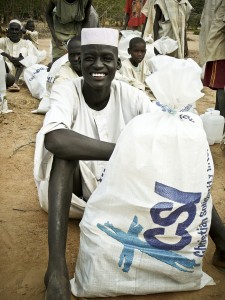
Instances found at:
x=98 y=74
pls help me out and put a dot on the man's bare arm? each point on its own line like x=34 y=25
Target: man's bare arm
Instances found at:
x=49 y=18
x=69 y=145
x=87 y=12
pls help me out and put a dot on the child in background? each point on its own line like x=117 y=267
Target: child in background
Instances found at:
x=30 y=33
x=135 y=69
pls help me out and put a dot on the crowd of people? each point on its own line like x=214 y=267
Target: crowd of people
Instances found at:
x=94 y=95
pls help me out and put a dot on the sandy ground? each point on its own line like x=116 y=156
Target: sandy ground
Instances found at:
x=23 y=225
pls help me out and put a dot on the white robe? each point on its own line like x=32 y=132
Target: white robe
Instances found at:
x=70 y=111
x=136 y=75
x=26 y=48
x=149 y=11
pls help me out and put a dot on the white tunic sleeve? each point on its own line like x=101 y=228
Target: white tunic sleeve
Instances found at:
x=60 y=116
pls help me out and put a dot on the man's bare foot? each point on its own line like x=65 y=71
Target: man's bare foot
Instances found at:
x=219 y=260
x=57 y=286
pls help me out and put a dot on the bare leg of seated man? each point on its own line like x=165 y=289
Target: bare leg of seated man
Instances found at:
x=60 y=193
x=217 y=234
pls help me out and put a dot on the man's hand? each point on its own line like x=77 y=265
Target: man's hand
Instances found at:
x=59 y=44
x=23 y=30
x=16 y=61
x=5 y=55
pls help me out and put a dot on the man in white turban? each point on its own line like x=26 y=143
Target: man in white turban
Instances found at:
x=77 y=139
x=18 y=53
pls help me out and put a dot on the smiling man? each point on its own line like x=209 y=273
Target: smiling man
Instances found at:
x=77 y=139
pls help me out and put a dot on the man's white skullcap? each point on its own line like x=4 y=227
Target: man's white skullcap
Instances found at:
x=99 y=36
x=16 y=21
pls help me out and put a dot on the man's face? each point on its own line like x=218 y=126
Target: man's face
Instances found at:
x=98 y=65
x=30 y=26
x=74 y=51
x=137 y=52
x=14 y=32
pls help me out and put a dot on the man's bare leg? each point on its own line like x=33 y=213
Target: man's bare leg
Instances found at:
x=60 y=193
x=217 y=234
x=19 y=71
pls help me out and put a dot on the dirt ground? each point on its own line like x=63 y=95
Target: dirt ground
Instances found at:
x=23 y=225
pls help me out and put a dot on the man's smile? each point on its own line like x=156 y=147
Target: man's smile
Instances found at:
x=98 y=75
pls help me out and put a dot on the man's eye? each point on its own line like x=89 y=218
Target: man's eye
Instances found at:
x=89 y=58
x=108 y=58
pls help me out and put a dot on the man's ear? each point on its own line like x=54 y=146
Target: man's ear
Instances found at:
x=128 y=50
x=119 y=64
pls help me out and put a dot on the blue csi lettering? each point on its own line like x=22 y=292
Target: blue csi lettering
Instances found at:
x=152 y=246
x=189 y=200
x=36 y=72
x=131 y=242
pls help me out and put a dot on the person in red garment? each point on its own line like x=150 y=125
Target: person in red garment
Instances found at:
x=134 y=19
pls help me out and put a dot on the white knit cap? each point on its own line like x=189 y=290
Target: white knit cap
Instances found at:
x=16 y=21
x=99 y=36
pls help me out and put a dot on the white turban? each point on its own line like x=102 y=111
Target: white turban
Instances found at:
x=99 y=36
x=16 y=21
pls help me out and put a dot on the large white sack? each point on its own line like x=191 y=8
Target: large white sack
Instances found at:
x=44 y=104
x=145 y=228
x=2 y=77
x=165 y=45
x=3 y=101
x=32 y=59
x=171 y=87
x=56 y=67
x=35 y=77
x=159 y=62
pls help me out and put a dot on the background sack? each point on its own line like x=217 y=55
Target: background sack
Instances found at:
x=145 y=228
x=35 y=78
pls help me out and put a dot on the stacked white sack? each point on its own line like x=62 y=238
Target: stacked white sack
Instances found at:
x=145 y=228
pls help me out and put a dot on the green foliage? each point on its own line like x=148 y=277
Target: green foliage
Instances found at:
x=22 y=9
x=110 y=12
x=198 y=5
x=194 y=21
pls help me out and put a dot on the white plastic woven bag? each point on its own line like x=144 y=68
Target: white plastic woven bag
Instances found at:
x=145 y=228
x=35 y=77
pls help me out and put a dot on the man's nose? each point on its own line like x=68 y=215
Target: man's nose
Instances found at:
x=98 y=63
x=76 y=57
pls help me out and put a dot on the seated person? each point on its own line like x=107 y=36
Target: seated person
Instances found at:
x=66 y=67
x=86 y=118
x=71 y=69
x=135 y=69
x=15 y=50
x=29 y=33
x=80 y=130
